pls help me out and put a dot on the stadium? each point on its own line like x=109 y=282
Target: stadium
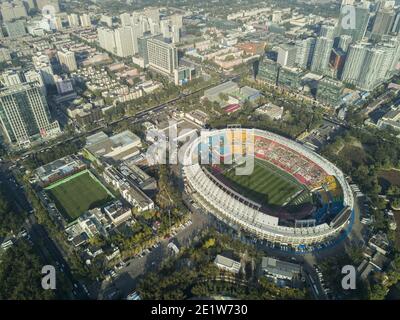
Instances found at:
x=292 y=196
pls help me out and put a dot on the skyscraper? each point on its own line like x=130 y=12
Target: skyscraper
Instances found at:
x=304 y=52
x=344 y=42
x=383 y=23
x=162 y=56
x=67 y=60
x=123 y=42
x=354 y=63
x=327 y=31
x=24 y=114
x=287 y=55
x=322 y=53
x=15 y=29
x=107 y=39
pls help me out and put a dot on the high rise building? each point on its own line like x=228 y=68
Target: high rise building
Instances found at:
x=10 y=78
x=43 y=65
x=153 y=14
x=176 y=34
x=358 y=29
x=383 y=23
x=24 y=114
x=35 y=76
x=67 y=60
x=344 y=42
x=396 y=24
x=162 y=56
x=11 y=11
x=304 y=52
x=15 y=29
x=327 y=31
x=287 y=55
x=268 y=71
x=322 y=53
x=124 y=42
x=165 y=28
x=354 y=63
x=125 y=19
x=329 y=91
x=58 y=23
x=85 y=20
x=107 y=39
x=367 y=66
x=73 y=20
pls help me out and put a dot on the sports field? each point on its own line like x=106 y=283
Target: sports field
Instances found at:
x=268 y=185
x=77 y=194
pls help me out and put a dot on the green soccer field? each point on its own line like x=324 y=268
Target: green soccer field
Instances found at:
x=268 y=185
x=78 y=194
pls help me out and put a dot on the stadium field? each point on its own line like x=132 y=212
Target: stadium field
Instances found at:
x=75 y=195
x=268 y=185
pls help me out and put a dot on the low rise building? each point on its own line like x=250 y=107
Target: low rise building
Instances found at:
x=118 y=147
x=227 y=264
x=278 y=269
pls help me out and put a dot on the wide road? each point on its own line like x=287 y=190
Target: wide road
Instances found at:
x=139 y=116
x=39 y=236
x=127 y=278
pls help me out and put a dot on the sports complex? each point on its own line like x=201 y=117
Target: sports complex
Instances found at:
x=78 y=193
x=292 y=195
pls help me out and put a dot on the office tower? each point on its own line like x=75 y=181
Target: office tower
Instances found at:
x=24 y=114
x=383 y=23
x=107 y=39
x=356 y=31
x=15 y=29
x=344 y=42
x=329 y=91
x=124 y=42
x=10 y=78
x=354 y=63
x=11 y=11
x=43 y=65
x=327 y=31
x=287 y=55
x=268 y=71
x=67 y=60
x=125 y=19
x=73 y=20
x=85 y=20
x=142 y=47
x=322 y=53
x=162 y=56
x=35 y=76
